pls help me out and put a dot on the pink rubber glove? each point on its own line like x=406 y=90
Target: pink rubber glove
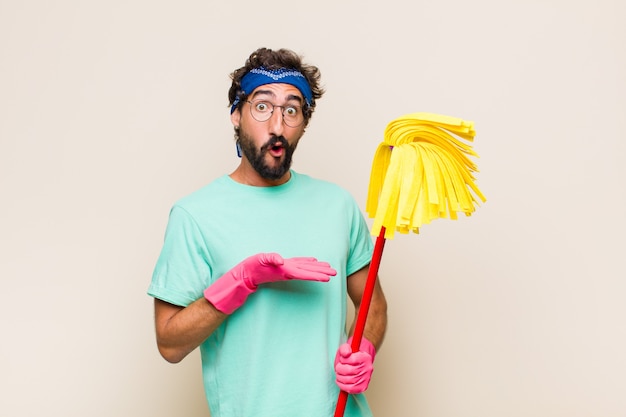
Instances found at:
x=231 y=290
x=354 y=369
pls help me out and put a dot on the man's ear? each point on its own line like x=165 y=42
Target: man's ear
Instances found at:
x=235 y=117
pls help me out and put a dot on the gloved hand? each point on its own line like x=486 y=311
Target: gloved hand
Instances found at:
x=232 y=289
x=354 y=369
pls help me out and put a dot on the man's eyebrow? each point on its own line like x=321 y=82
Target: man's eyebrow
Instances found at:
x=263 y=92
x=291 y=97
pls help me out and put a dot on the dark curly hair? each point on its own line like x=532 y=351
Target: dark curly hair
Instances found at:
x=273 y=60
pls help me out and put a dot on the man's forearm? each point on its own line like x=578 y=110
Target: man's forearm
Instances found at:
x=376 y=323
x=182 y=329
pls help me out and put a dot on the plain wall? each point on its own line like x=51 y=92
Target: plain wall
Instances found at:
x=110 y=111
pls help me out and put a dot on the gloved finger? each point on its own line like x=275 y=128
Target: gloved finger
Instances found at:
x=347 y=388
x=311 y=264
x=348 y=380
x=308 y=276
x=355 y=358
x=345 y=350
x=303 y=259
x=321 y=267
x=317 y=274
x=349 y=371
x=271 y=259
x=353 y=385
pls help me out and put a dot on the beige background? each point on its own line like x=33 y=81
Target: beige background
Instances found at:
x=110 y=111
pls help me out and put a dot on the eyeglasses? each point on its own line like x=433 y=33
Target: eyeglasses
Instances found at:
x=262 y=110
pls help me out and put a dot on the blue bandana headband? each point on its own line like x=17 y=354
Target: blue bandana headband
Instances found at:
x=261 y=76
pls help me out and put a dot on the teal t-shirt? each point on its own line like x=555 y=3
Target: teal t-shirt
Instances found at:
x=273 y=357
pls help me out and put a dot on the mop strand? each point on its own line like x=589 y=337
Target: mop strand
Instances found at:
x=422 y=172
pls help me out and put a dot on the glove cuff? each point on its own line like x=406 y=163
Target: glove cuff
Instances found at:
x=366 y=346
x=228 y=293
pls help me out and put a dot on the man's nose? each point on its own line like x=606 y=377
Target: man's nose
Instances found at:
x=276 y=122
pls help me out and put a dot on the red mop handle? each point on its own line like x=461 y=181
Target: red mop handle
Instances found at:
x=366 y=300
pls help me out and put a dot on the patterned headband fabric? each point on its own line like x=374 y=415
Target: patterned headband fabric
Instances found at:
x=261 y=76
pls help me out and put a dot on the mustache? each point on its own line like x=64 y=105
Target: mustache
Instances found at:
x=275 y=140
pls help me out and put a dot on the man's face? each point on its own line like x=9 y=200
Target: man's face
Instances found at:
x=269 y=145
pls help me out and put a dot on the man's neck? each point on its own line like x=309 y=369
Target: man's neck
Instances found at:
x=245 y=174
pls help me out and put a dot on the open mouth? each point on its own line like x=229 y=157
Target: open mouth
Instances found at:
x=277 y=147
x=276 y=150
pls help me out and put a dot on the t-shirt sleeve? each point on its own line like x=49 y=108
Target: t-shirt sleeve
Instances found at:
x=361 y=244
x=182 y=271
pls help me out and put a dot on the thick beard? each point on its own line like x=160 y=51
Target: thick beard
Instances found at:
x=257 y=156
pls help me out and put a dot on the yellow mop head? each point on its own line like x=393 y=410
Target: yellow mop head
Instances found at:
x=422 y=172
